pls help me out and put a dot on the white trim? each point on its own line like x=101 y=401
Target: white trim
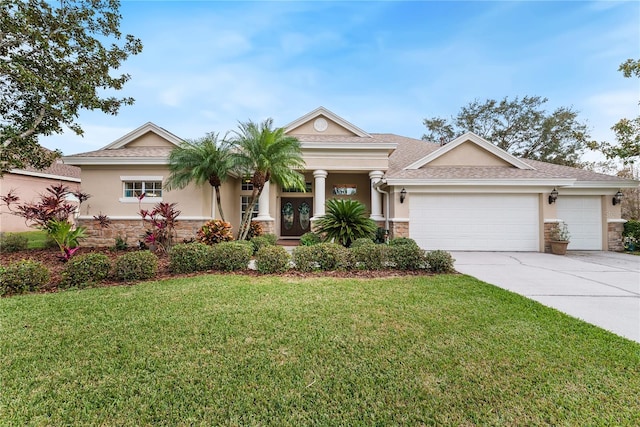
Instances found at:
x=133 y=161
x=137 y=133
x=479 y=141
x=321 y=111
x=616 y=220
x=552 y=221
x=43 y=175
x=141 y=178
x=551 y=182
x=318 y=145
x=398 y=219
x=137 y=217
x=613 y=185
x=147 y=200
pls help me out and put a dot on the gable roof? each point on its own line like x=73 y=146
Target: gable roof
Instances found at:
x=137 y=133
x=58 y=170
x=475 y=139
x=321 y=111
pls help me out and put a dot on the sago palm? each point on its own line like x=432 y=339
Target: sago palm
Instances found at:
x=266 y=154
x=202 y=160
x=345 y=221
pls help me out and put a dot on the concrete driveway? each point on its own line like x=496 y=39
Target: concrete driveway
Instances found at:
x=602 y=288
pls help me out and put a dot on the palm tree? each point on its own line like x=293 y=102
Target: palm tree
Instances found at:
x=345 y=222
x=199 y=161
x=266 y=154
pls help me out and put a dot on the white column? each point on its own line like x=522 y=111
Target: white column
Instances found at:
x=318 y=193
x=376 y=197
x=263 y=204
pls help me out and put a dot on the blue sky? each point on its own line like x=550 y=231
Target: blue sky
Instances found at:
x=384 y=66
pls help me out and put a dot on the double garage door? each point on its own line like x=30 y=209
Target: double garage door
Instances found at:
x=499 y=222
x=475 y=222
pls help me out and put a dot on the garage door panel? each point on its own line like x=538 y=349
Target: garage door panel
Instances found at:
x=491 y=222
x=583 y=216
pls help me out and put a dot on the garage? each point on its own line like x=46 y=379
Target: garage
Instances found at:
x=583 y=216
x=475 y=222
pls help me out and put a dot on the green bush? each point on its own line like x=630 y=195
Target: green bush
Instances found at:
x=84 y=270
x=260 y=242
x=322 y=257
x=138 y=265
x=369 y=256
x=23 y=276
x=272 y=259
x=398 y=241
x=406 y=256
x=632 y=229
x=310 y=239
x=345 y=221
x=272 y=238
x=439 y=262
x=190 y=257
x=215 y=231
x=362 y=241
x=231 y=256
x=13 y=242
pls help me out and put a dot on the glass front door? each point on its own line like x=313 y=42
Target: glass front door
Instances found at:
x=295 y=216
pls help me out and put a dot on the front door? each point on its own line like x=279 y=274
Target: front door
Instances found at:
x=295 y=216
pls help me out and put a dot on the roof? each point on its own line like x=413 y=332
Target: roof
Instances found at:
x=57 y=170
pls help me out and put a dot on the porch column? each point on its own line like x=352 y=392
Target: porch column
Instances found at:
x=318 y=193
x=376 y=197
x=263 y=204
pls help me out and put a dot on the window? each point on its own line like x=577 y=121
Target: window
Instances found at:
x=133 y=187
x=246 y=185
x=244 y=203
x=307 y=189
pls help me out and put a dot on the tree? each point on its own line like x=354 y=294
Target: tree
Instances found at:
x=345 y=222
x=203 y=160
x=54 y=63
x=521 y=126
x=627 y=131
x=265 y=154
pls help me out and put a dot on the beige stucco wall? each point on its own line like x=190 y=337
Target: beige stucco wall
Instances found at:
x=469 y=154
x=149 y=139
x=332 y=129
x=346 y=159
x=29 y=189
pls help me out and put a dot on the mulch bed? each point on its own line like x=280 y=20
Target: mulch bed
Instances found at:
x=51 y=259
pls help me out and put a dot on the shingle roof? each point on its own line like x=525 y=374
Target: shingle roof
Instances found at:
x=58 y=169
x=127 y=152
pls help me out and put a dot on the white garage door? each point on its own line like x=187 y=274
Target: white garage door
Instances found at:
x=475 y=222
x=583 y=216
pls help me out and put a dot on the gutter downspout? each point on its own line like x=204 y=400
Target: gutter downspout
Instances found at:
x=386 y=199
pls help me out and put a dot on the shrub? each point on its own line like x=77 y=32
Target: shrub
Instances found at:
x=190 y=257
x=310 y=239
x=272 y=259
x=215 y=231
x=260 y=242
x=231 y=256
x=24 y=276
x=138 y=265
x=13 y=242
x=398 y=241
x=381 y=235
x=363 y=241
x=120 y=243
x=369 y=256
x=255 y=230
x=85 y=270
x=406 y=257
x=439 y=262
x=323 y=257
x=345 y=221
x=632 y=229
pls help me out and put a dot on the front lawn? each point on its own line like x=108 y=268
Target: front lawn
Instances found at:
x=242 y=350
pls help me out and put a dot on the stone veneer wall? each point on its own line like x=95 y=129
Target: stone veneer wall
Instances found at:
x=268 y=227
x=398 y=229
x=550 y=228
x=132 y=230
x=614 y=236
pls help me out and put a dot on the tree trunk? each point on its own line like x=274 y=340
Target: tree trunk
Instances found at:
x=248 y=214
x=219 y=203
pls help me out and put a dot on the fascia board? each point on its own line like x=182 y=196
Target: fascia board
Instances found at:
x=335 y=118
x=44 y=175
x=482 y=182
x=77 y=161
x=349 y=145
x=481 y=142
x=607 y=184
x=136 y=133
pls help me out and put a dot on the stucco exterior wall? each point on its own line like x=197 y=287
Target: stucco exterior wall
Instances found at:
x=469 y=154
x=332 y=129
x=150 y=139
x=29 y=189
x=346 y=160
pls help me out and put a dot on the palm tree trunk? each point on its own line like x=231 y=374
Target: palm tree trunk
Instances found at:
x=219 y=203
x=248 y=214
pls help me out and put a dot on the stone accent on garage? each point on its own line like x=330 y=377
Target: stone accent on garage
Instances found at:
x=131 y=230
x=398 y=229
x=614 y=235
x=550 y=228
x=268 y=226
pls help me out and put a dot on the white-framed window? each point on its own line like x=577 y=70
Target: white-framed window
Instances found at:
x=134 y=186
x=246 y=185
x=244 y=204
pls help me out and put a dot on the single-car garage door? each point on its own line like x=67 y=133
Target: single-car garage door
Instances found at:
x=475 y=222
x=583 y=216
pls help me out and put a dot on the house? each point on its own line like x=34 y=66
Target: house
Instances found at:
x=28 y=184
x=465 y=195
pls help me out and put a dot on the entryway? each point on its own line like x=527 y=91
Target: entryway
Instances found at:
x=295 y=216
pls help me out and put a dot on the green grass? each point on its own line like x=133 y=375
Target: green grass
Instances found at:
x=37 y=239
x=240 y=350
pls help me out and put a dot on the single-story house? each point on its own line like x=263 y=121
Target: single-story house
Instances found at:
x=464 y=195
x=29 y=184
